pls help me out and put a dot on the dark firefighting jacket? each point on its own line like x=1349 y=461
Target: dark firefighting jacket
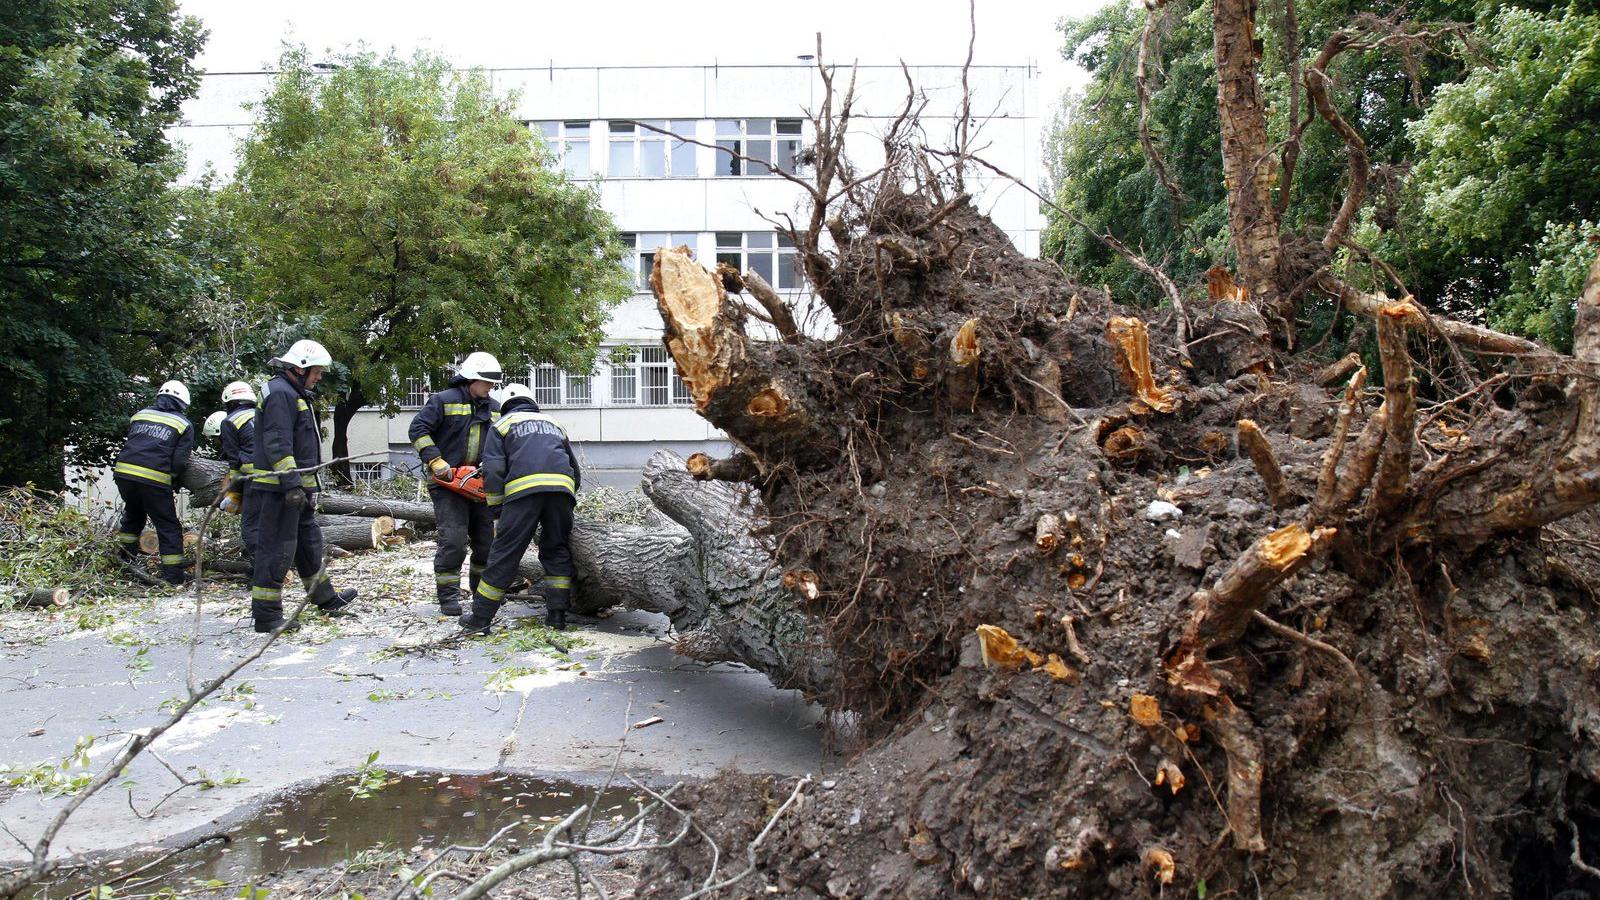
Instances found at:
x=286 y=437
x=239 y=440
x=159 y=440
x=453 y=425
x=527 y=453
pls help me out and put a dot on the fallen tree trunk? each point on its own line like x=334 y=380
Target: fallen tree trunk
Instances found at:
x=204 y=475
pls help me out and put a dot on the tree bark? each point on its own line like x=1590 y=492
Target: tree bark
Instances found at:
x=729 y=383
x=343 y=412
x=204 y=476
x=355 y=533
x=1247 y=163
x=747 y=607
x=45 y=598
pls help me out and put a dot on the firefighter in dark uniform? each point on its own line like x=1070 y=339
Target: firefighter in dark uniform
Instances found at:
x=449 y=432
x=155 y=453
x=530 y=475
x=286 y=438
x=238 y=436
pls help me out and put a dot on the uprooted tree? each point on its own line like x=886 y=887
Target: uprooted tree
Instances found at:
x=1121 y=607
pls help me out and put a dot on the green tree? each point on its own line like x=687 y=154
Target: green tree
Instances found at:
x=404 y=207
x=96 y=252
x=1508 y=180
x=1484 y=165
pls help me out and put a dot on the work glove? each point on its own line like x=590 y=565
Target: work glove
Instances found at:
x=439 y=469
x=295 y=499
x=231 y=502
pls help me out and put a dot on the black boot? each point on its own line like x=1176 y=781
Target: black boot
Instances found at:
x=177 y=576
x=556 y=619
x=338 y=606
x=284 y=625
x=471 y=625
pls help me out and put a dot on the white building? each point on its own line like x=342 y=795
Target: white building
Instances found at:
x=667 y=192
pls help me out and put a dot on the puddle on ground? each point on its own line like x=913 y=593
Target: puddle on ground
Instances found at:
x=328 y=823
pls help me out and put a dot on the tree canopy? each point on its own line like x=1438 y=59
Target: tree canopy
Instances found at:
x=1484 y=178
x=96 y=245
x=403 y=205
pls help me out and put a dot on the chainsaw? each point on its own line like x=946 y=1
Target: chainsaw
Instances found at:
x=464 y=480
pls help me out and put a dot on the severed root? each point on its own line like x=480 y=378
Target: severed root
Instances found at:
x=1327 y=479
x=803 y=582
x=961 y=384
x=1131 y=339
x=1363 y=462
x=778 y=312
x=1236 y=734
x=1125 y=445
x=1399 y=397
x=1223 y=611
x=1337 y=371
x=1047 y=534
x=1001 y=650
x=1253 y=442
x=738 y=467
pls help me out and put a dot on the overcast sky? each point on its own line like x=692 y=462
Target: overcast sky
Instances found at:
x=489 y=33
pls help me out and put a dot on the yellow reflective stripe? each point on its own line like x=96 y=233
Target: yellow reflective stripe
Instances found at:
x=309 y=480
x=172 y=559
x=517 y=485
x=265 y=593
x=494 y=499
x=558 y=581
x=474 y=436
x=302 y=405
x=478 y=569
x=458 y=409
x=283 y=465
x=241 y=417
x=267 y=479
x=162 y=418
x=127 y=538
x=249 y=468
x=489 y=591
x=422 y=442
x=447 y=578
x=127 y=468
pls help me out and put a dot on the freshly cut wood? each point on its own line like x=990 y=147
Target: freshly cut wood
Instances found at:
x=1131 y=339
x=40 y=597
x=961 y=382
x=355 y=532
x=738 y=467
x=717 y=361
x=1254 y=443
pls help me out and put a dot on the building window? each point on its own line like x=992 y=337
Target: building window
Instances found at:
x=770 y=145
x=624 y=376
x=644 y=245
x=368 y=472
x=418 y=390
x=546 y=384
x=569 y=141
x=576 y=390
x=772 y=256
x=660 y=384
x=636 y=150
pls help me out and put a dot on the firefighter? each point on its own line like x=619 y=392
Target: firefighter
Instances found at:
x=449 y=433
x=155 y=453
x=286 y=439
x=238 y=433
x=531 y=477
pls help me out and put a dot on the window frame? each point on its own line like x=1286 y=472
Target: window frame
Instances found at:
x=561 y=141
x=768 y=133
x=631 y=132
x=634 y=240
x=783 y=253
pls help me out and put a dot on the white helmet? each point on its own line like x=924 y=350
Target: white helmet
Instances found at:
x=511 y=392
x=213 y=425
x=238 y=390
x=305 y=354
x=481 y=366
x=175 y=389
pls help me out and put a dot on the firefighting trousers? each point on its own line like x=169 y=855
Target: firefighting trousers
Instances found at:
x=250 y=521
x=550 y=514
x=462 y=523
x=287 y=535
x=158 y=505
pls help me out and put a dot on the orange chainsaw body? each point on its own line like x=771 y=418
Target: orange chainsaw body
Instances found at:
x=464 y=480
